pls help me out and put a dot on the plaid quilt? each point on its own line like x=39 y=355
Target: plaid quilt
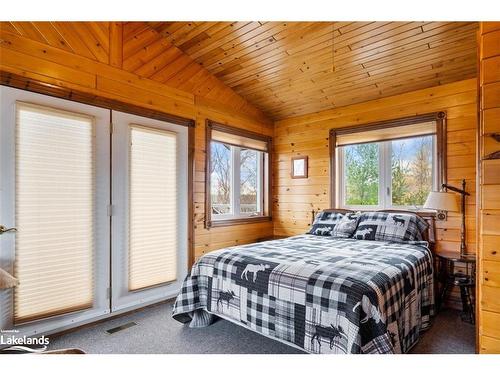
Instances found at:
x=321 y=294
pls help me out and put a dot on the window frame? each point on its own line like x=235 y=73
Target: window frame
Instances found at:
x=385 y=178
x=263 y=179
x=385 y=202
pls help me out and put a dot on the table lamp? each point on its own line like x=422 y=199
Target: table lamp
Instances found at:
x=446 y=201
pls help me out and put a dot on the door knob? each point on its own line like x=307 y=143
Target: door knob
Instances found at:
x=4 y=229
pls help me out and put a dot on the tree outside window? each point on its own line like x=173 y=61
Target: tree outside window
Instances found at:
x=235 y=180
x=397 y=173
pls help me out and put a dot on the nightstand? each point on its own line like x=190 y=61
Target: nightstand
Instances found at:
x=465 y=280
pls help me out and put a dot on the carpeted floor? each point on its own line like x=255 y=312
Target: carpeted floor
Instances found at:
x=157 y=332
x=448 y=335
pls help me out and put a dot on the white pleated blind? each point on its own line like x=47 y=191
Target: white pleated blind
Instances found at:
x=152 y=207
x=239 y=140
x=386 y=134
x=54 y=212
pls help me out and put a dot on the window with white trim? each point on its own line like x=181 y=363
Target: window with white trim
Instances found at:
x=388 y=167
x=236 y=181
x=238 y=162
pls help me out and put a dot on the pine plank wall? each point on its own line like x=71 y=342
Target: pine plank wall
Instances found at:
x=489 y=190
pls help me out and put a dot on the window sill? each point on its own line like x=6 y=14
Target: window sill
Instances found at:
x=380 y=208
x=238 y=221
x=421 y=211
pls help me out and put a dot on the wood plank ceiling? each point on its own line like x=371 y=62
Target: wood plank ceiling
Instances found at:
x=278 y=69
x=88 y=39
x=288 y=69
x=148 y=53
x=145 y=52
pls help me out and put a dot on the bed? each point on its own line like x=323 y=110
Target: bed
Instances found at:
x=318 y=293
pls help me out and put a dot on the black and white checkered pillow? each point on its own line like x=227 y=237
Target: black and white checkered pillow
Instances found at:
x=346 y=227
x=395 y=227
x=325 y=222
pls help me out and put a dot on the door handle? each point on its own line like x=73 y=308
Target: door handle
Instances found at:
x=4 y=229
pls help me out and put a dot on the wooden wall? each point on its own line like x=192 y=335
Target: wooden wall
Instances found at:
x=308 y=135
x=88 y=57
x=489 y=190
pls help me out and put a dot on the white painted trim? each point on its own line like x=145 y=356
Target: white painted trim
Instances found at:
x=235 y=180
x=235 y=187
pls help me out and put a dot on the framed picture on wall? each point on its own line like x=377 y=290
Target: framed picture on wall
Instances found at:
x=299 y=167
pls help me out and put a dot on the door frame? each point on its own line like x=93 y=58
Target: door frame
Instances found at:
x=121 y=297
x=9 y=98
x=53 y=90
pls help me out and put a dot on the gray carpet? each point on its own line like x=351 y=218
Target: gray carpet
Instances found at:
x=448 y=335
x=157 y=332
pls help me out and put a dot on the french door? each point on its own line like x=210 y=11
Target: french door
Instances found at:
x=100 y=211
x=150 y=208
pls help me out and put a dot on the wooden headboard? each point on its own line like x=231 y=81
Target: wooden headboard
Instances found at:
x=429 y=217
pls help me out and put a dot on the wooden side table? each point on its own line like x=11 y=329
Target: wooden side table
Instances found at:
x=466 y=281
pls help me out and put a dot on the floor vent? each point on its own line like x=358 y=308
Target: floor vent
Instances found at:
x=121 y=328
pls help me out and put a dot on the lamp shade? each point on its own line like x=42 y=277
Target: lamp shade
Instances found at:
x=441 y=200
x=6 y=280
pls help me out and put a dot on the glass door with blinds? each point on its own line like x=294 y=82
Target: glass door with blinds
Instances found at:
x=100 y=212
x=149 y=211
x=54 y=189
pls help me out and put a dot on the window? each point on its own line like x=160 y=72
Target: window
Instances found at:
x=235 y=191
x=389 y=165
x=361 y=174
x=238 y=178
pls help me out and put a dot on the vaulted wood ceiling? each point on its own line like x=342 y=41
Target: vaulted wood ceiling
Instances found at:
x=147 y=53
x=281 y=69
x=143 y=51
x=292 y=68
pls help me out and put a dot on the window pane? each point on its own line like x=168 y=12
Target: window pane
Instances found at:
x=153 y=207
x=411 y=170
x=249 y=181
x=220 y=177
x=361 y=168
x=54 y=212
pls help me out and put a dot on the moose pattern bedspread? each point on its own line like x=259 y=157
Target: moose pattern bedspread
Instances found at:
x=320 y=294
